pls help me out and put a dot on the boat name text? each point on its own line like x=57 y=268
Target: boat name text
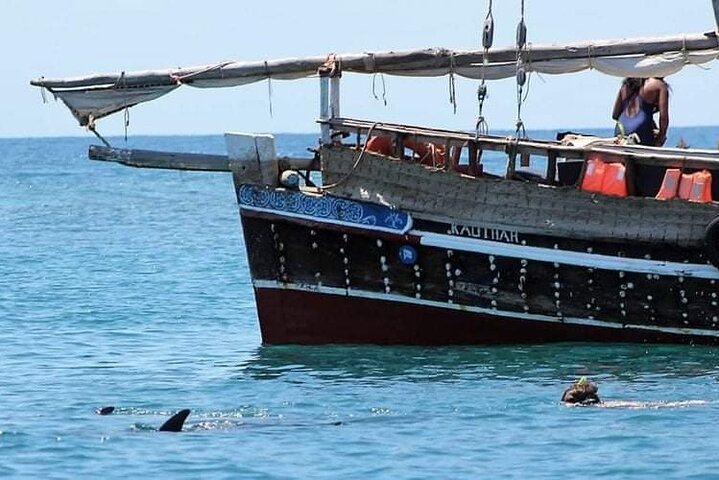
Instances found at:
x=498 y=235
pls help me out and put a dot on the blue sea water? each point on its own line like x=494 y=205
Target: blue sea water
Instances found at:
x=130 y=287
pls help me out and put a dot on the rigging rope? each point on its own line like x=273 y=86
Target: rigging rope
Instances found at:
x=91 y=127
x=384 y=87
x=269 y=87
x=521 y=73
x=42 y=92
x=357 y=162
x=127 y=120
x=452 y=87
x=482 y=128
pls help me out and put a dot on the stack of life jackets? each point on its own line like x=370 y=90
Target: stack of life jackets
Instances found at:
x=694 y=187
x=605 y=177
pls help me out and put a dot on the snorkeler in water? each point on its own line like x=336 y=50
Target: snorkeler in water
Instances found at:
x=583 y=392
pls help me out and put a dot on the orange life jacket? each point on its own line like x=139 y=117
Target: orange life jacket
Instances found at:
x=593 y=175
x=670 y=184
x=381 y=144
x=696 y=187
x=431 y=154
x=608 y=178
x=614 y=182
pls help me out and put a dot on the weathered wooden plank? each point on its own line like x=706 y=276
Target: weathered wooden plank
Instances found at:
x=528 y=207
x=182 y=161
x=154 y=159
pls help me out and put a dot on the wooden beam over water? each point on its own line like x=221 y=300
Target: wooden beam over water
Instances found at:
x=202 y=162
x=154 y=159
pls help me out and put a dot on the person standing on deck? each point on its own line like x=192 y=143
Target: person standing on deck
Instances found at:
x=637 y=101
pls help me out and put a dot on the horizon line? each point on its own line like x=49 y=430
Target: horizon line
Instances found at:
x=121 y=136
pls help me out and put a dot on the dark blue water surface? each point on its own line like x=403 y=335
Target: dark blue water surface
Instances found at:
x=130 y=287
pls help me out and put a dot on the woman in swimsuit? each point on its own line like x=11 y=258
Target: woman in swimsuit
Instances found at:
x=637 y=101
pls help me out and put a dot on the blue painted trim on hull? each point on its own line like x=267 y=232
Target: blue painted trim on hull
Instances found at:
x=324 y=209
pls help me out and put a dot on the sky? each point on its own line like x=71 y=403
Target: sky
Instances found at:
x=76 y=37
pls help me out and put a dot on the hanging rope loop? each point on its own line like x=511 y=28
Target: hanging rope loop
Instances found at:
x=269 y=87
x=452 y=85
x=384 y=87
x=356 y=164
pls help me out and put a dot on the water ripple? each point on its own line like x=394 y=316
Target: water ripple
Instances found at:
x=130 y=287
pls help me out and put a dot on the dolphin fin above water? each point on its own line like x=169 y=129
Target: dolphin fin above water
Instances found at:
x=175 y=423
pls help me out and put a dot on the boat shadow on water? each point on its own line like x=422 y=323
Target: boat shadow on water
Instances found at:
x=547 y=363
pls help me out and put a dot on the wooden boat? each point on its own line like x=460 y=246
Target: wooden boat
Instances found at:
x=411 y=241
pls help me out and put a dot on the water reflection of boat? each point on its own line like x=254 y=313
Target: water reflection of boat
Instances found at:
x=408 y=240
x=550 y=364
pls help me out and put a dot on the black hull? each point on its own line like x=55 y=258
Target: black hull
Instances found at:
x=317 y=283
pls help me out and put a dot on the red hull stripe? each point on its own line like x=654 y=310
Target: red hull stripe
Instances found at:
x=314 y=314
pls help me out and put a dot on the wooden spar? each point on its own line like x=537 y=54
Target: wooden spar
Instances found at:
x=183 y=161
x=391 y=62
x=155 y=159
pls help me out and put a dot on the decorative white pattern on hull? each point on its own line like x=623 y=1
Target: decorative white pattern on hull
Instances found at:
x=577 y=259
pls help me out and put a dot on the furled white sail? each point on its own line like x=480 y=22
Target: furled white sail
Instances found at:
x=93 y=97
x=90 y=104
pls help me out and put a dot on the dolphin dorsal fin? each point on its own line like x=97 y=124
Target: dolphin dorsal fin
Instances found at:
x=175 y=423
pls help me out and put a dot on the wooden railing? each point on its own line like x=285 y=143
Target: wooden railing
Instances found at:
x=630 y=155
